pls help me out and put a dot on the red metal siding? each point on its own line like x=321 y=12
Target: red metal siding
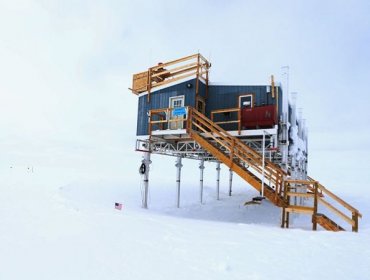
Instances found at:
x=259 y=117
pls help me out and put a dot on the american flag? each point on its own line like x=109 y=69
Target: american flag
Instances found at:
x=118 y=206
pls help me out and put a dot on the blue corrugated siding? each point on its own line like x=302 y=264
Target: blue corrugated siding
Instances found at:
x=160 y=99
x=223 y=97
x=219 y=97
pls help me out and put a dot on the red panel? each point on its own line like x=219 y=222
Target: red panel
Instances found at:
x=259 y=117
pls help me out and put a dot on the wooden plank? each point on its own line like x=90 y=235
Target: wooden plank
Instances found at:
x=226 y=122
x=225 y=110
x=171 y=80
x=182 y=71
x=173 y=70
x=139 y=81
x=327 y=223
x=336 y=211
x=305 y=182
x=300 y=209
x=300 y=194
x=339 y=200
x=174 y=61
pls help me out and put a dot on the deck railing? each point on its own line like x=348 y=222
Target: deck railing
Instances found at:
x=230 y=110
x=172 y=71
x=167 y=119
x=319 y=195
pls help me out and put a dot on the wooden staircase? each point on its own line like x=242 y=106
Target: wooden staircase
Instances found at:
x=240 y=158
x=266 y=177
x=249 y=165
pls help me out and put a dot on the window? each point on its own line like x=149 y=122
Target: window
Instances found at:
x=246 y=101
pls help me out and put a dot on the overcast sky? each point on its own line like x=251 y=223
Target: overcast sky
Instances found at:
x=65 y=67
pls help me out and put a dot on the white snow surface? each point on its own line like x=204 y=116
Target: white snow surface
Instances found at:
x=59 y=225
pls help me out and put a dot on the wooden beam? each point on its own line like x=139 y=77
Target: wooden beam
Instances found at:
x=226 y=122
x=300 y=209
x=304 y=182
x=174 y=62
x=173 y=70
x=225 y=110
x=336 y=211
x=300 y=194
x=339 y=200
x=171 y=80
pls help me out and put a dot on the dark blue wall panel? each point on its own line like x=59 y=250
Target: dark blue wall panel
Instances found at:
x=160 y=99
x=219 y=97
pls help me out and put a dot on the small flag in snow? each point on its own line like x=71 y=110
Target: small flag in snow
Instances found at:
x=118 y=206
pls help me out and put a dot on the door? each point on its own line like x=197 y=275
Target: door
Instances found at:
x=246 y=107
x=246 y=101
x=177 y=102
x=201 y=105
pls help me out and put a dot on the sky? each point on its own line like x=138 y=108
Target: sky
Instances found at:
x=66 y=66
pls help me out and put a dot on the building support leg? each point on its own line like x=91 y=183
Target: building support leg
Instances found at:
x=201 y=168
x=218 y=168
x=230 y=181
x=178 y=178
x=263 y=165
x=146 y=161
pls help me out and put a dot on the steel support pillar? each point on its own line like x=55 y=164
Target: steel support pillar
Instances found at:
x=201 y=168
x=218 y=168
x=230 y=181
x=178 y=179
x=146 y=161
x=263 y=165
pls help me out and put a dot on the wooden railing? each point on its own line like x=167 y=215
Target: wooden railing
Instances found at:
x=163 y=119
x=320 y=197
x=355 y=214
x=231 y=110
x=236 y=149
x=172 y=71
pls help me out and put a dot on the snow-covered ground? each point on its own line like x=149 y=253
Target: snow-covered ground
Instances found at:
x=56 y=224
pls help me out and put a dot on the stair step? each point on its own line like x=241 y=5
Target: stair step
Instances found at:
x=300 y=209
x=327 y=223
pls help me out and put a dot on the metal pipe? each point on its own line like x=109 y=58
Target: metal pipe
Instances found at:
x=230 y=181
x=146 y=160
x=178 y=179
x=218 y=168
x=263 y=165
x=201 y=168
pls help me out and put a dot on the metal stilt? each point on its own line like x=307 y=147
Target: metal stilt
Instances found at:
x=218 y=168
x=263 y=165
x=178 y=179
x=230 y=181
x=146 y=160
x=201 y=168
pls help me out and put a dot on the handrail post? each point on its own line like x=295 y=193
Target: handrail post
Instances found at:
x=197 y=75
x=239 y=121
x=355 y=219
x=314 y=215
x=285 y=214
x=263 y=165
x=232 y=152
x=150 y=123
x=189 y=120
x=149 y=85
